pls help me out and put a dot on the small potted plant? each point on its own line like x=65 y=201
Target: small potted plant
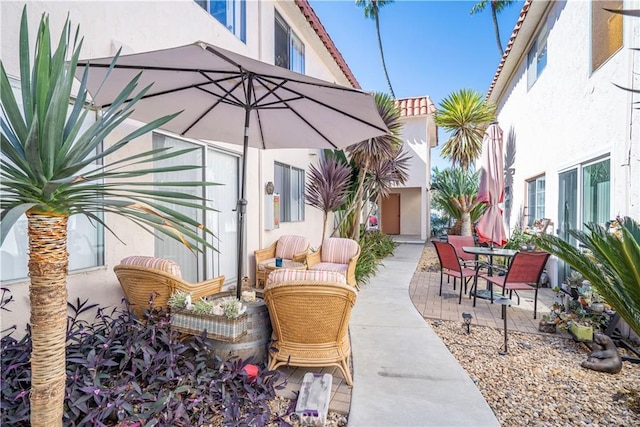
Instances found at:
x=547 y=324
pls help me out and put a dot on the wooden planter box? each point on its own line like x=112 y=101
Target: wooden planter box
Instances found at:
x=220 y=328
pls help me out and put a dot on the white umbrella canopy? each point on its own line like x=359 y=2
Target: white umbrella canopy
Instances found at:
x=490 y=227
x=214 y=87
x=227 y=97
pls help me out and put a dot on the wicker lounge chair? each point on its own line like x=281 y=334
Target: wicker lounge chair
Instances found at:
x=336 y=254
x=289 y=248
x=310 y=312
x=141 y=277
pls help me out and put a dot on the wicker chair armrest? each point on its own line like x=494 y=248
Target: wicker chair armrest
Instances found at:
x=351 y=270
x=301 y=257
x=266 y=253
x=202 y=289
x=313 y=258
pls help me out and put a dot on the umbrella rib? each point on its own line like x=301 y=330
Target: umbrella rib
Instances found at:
x=221 y=99
x=324 y=104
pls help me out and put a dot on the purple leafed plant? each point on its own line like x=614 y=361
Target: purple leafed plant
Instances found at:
x=125 y=371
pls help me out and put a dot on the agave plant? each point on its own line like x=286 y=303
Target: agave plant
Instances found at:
x=52 y=169
x=609 y=261
x=456 y=192
x=328 y=186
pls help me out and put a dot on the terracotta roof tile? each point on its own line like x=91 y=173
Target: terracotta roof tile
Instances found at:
x=317 y=26
x=514 y=34
x=417 y=106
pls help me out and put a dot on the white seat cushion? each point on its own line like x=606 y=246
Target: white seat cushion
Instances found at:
x=288 y=246
x=285 y=275
x=331 y=266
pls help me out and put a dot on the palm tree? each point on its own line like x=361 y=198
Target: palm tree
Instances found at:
x=52 y=169
x=466 y=115
x=456 y=191
x=328 y=186
x=374 y=151
x=372 y=10
x=497 y=6
x=609 y=260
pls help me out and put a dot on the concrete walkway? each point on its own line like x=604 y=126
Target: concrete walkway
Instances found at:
x=403 y=374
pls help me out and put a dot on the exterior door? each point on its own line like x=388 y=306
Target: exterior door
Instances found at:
x=391 y=214
x=567 y=213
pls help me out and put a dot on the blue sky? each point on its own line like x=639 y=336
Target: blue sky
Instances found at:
x=431 y=47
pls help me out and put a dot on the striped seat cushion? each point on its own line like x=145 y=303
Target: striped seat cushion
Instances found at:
x=288 y=246
x=330 y=266
x=285 y=275
x=161 y=264
x=338 y=250
x=262 y=264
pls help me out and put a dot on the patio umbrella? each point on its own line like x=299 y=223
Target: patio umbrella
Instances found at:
x=225 y=96
x=490 y=228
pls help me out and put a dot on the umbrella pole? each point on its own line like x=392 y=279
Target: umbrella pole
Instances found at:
x=242 y=202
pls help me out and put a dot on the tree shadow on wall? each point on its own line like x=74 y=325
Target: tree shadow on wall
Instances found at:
x=509 y=172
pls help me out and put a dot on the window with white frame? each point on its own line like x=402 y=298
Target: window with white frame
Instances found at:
x=535 y=199
x=596 y=192
x=289 y=183
x=537 y=56
x=606 y=31
x=288 y=48
x=230 y=13
x=85 y=238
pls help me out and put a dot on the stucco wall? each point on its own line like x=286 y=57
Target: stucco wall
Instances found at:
x=570 y=115
x=140 y=26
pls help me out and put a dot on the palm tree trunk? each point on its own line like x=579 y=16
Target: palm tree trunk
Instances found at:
x=494 y=16
x=48 y=264
x=324 y=225
x=466 y=224
x=384 y=64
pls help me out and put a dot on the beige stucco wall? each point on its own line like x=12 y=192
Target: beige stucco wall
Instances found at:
x=140 y=26
x=414 y=200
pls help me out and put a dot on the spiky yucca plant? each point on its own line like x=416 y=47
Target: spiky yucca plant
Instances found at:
x=465 y=115
x=456 y=191
x=610 y=261
x=51 y=169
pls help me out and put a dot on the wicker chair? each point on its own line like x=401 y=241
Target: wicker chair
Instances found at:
x=336 y=254
x=310 y=312
x=141 y=277
x=289 y=247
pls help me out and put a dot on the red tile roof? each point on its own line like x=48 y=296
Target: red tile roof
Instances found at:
x=416 y=106
x=315 y=23
x=514 y=34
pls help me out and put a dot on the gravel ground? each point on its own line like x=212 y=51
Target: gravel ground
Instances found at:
x=540 y=381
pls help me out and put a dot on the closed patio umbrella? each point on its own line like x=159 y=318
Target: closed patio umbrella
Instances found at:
x=490 y=228
x=227 y=97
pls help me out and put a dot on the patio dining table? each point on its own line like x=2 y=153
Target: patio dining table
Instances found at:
x=489 y=252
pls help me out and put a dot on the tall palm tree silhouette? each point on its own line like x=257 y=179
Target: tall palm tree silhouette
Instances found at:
x=372 y=10
x=497 y=6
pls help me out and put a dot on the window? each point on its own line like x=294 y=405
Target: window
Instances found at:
x=85 y=238
x=289 y=183
x=288 y=48
x=221 y=168
x=230 y=13
x=535 y=199
x=596 y=181
x=606 y=31
x=537 y=57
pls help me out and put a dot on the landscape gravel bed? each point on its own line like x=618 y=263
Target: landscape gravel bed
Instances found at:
x=540 y=382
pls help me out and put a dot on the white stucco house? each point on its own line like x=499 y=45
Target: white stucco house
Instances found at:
x=285 y=33
x=572 y=138
x=406 y=210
